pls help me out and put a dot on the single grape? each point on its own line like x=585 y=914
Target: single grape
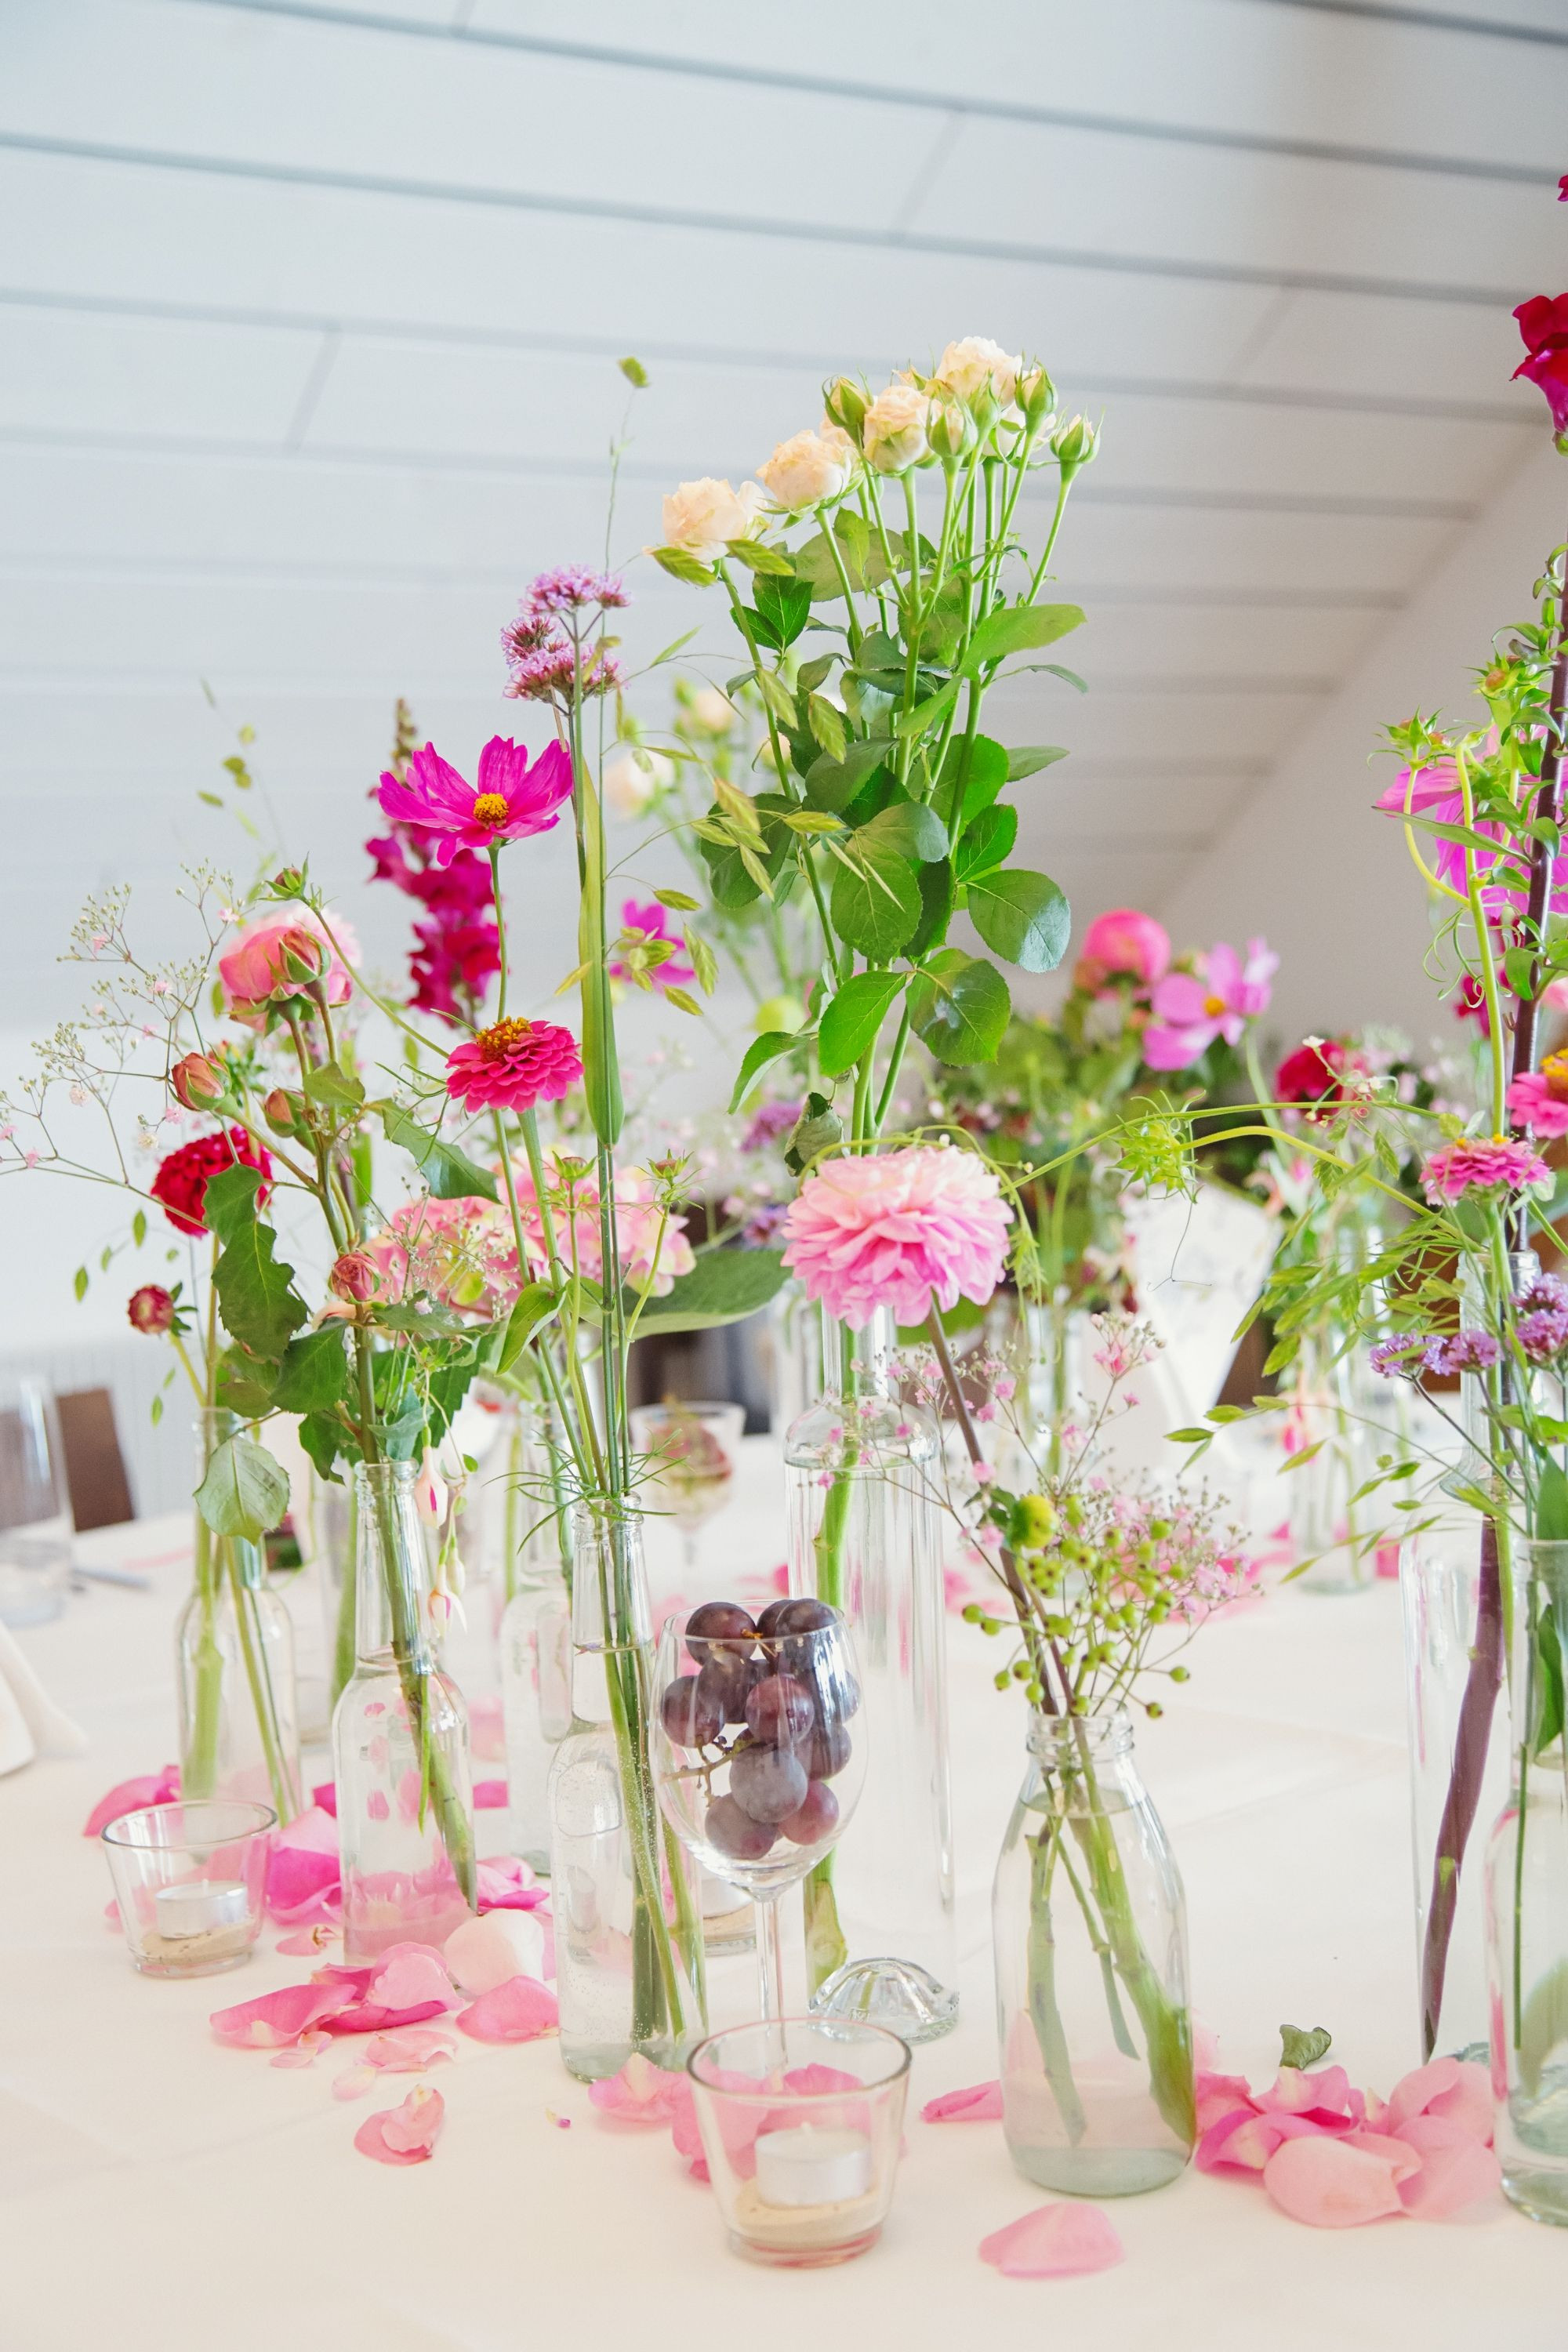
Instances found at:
x=828 y=1752
x=768 y=1783
x=815 y=1818
x=726 y=1679
x=780 y=1710
x=800 y=1615
x=717 y=1621
x=768 y=1622
x=735 y=1833
x=691 y=1715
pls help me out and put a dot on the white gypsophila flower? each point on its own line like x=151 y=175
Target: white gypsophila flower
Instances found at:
x=895 y=429
x=965 y=368
x=702 y=517
x=634 y=779
x=807 y=469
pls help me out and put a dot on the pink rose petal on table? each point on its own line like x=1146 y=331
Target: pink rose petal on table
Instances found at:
x=1323 y=2093
x=519 y=2011
x=504 y=1883
x=408 y=2049
x=1243 y=2142
x=303 y=1872
x=305 y=2052
x=641 y=2093
x=1219 y=2095
x=308 y=1943
x=980 y=2103
x=1054 y=2241
x=278 y=2018
x=325 y=1797
x=410 y=1975
x=1401 y=2158
x=1321 y=2181
x=130 y=1796
x=816 y=2081
x=484 y=1952
x=488 y=1795
x=1453 y=2088
x=1456 y=2168
x=405 y=2135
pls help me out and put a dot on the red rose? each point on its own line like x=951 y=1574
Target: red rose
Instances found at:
x=1309 y=1075
x=181 y=1183
x=1543 y=323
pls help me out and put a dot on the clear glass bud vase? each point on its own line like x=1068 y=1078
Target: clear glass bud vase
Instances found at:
x=1527 y=1900
x=1333 y=1528
x=400 y=1741
x=865 y=1535
x=1089 y=1937
x=535 y=1638
x=628 y=1932
x=234 y=1656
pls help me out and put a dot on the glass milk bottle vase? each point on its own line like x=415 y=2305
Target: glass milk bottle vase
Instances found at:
x=1092 y=1972
x=628 y=1930
x=400 y=1741
x=234 y=1656
x=865 y=1535
x=535 y=1640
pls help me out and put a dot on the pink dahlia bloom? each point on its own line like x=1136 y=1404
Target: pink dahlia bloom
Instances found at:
x=1123 y=942
x=283 y=957
x=1192 y=1009
x=513 y=1065
x=1479 y=1163
x=896 y=1229
x=510 y=800
x=638 y=1220
x=1539 y=1100
x=460 y=1252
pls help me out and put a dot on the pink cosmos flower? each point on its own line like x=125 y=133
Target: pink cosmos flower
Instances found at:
x=1123 y=942
x=513 y=1065
x=511 y=800
x=651 y=922
x=896 y=1229
x=1477 y=1163
x=577 y=1238
x=1435 y=792
x=1190 y=1012
x=1539 y=1100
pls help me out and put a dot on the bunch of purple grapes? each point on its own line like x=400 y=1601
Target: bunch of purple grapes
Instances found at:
x=773 y=1697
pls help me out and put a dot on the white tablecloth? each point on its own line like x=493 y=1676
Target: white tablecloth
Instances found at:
x=157 y=2190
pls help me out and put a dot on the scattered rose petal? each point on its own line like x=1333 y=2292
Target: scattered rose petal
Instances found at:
x=309 y=1943
x=352 y=2081
x=305 y=2052
x=325 y=1796
x=1324 y=2181
x=483 y=1953
x=404 y=2135
x=562 y=2123
x=504 y=1883
x=278 y=2018
x=641 y=2093
x=409 y=1976
x=488 y=1795
x=1323 y=2094
x=519 y=2011
x=303 y=1872
x=1456 y=2168
x=1219 y=2095
x=1054 y=2241
x=1458 y=2092
x=1397 y=2154
x=408 y=2051
x=130 y=1796
x=981 y=2104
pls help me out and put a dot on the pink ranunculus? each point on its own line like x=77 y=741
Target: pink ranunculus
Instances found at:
x=899 y=1229
x=284 y=957
x=510 y=800
x=1539 y=1099
x=1123 y=942
x=1479 y=1163
x=643 y=1229
x=1191 y=1011
x=513 y=1065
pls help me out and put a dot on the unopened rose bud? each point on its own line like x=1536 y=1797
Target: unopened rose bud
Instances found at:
x=353 y=1278
x=151 y=1309
x=845 y=402
x=286 y=884
x=951 y=431
x=304 y=956
x=1037 y=396
x=197 y=1082
x=1075 y=444
x=284 y=1112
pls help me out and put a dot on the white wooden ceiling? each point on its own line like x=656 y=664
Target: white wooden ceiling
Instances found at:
x=307 y=317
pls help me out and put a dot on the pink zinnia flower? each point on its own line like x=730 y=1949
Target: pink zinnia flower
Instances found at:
x=1123 y=942
x=512 y=799
x=1190 y=1012
x=513 y=1065
x=897 y=1228
x=1477 y=1163
x=1539 y=1100
x=650 y=922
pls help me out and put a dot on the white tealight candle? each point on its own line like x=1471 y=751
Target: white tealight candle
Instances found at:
x=199 y=1905
x=804 y=2166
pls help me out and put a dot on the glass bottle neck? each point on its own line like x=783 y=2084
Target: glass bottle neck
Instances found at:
x=609 y=1582
x=857 y=1360
x=1067 y=1742
x=392 y=1589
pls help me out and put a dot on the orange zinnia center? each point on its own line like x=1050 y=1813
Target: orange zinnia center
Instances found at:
x=497 y=1041
x=1554 y=1070
x=1214 y=1006
x=490 y=808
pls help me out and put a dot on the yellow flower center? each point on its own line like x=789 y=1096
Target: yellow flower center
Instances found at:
x=497 y=1042
x=490 y=808
x=1554 y=1070
x=1214 y=1006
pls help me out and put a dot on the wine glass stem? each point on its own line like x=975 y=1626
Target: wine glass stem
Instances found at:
x=770 y=1956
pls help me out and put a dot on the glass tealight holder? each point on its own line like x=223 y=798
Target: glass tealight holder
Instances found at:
x=802 y=2120
x=190 y=1882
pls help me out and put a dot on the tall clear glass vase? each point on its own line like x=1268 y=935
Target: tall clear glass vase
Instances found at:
x=234 y=1656
x=865 y=1535
x=535 y=1636
x=1089 y=1940
x=630 y=1973
x=1527 y=1900
x=400 y=1741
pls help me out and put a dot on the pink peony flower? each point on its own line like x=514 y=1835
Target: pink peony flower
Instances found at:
x=1123 y=942
x=1190 y=1012
x=1539 y=1100
x=1479 y=1163
x=896 y=1229
x=513 y=1065
x=638 y=1219
x=511 y=800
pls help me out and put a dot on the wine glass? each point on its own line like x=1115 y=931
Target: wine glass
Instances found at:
x=759 y=1749
x=692 y=1450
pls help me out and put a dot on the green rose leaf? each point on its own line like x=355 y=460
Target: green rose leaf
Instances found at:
x=229 y=1201
x=759 y=1053
x=987 y=842
x=982 y=767
x=245 y=1491
x=960 y=1006
x=723 y=1286
x=333 y=1085
x=451 y=1174
x=876 y=901
x=1023 y=915
x=783 y=607
x=731 y=885
x=323 y=1437
x=1301 y=2048
x=682 y=566
x=854 y=1017
x=911 y=828
x=832 y=784
x=1030 y=758
x=256 y=1292
x=314 y=1373
x=937 y=889
x=1019 y=628
x=769 y=560
x=536 y=1302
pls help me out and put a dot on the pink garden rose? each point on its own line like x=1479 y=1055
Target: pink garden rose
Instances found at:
x=899 y=1229
x=283 y=957
x=1191 y=1010
x=1123 y=942
x=460 y=1252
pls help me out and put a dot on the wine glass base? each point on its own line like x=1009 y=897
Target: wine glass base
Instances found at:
x=900 y=1994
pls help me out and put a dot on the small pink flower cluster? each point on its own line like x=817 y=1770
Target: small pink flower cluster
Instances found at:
x=547 y=665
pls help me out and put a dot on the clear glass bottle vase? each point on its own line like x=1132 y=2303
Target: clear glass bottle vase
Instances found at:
x=1089 y=1934
x=865 y=1535
x=630 y=1961
x=1334 y=1530
x=400 y=1741
x=234 y=1656
x=1527 y=1898
x=535 y=1635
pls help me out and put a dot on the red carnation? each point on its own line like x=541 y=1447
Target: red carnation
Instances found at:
x=151 y=1309
x=181 y=1183
x=1543 y=323
x=513 y=1065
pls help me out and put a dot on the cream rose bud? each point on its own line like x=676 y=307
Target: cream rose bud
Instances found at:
x=951 y=430
x=702 y=517
x=895 y=432
x=714 y=712
x=632 y=780
x=964 y=369
x=1036 y=394
x=805 y=471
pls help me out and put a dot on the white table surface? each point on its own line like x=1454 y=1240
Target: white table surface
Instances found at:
x=159 y=2190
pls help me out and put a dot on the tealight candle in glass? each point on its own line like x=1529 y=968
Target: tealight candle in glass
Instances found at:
x=190 y=1883
x=801 y=2123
